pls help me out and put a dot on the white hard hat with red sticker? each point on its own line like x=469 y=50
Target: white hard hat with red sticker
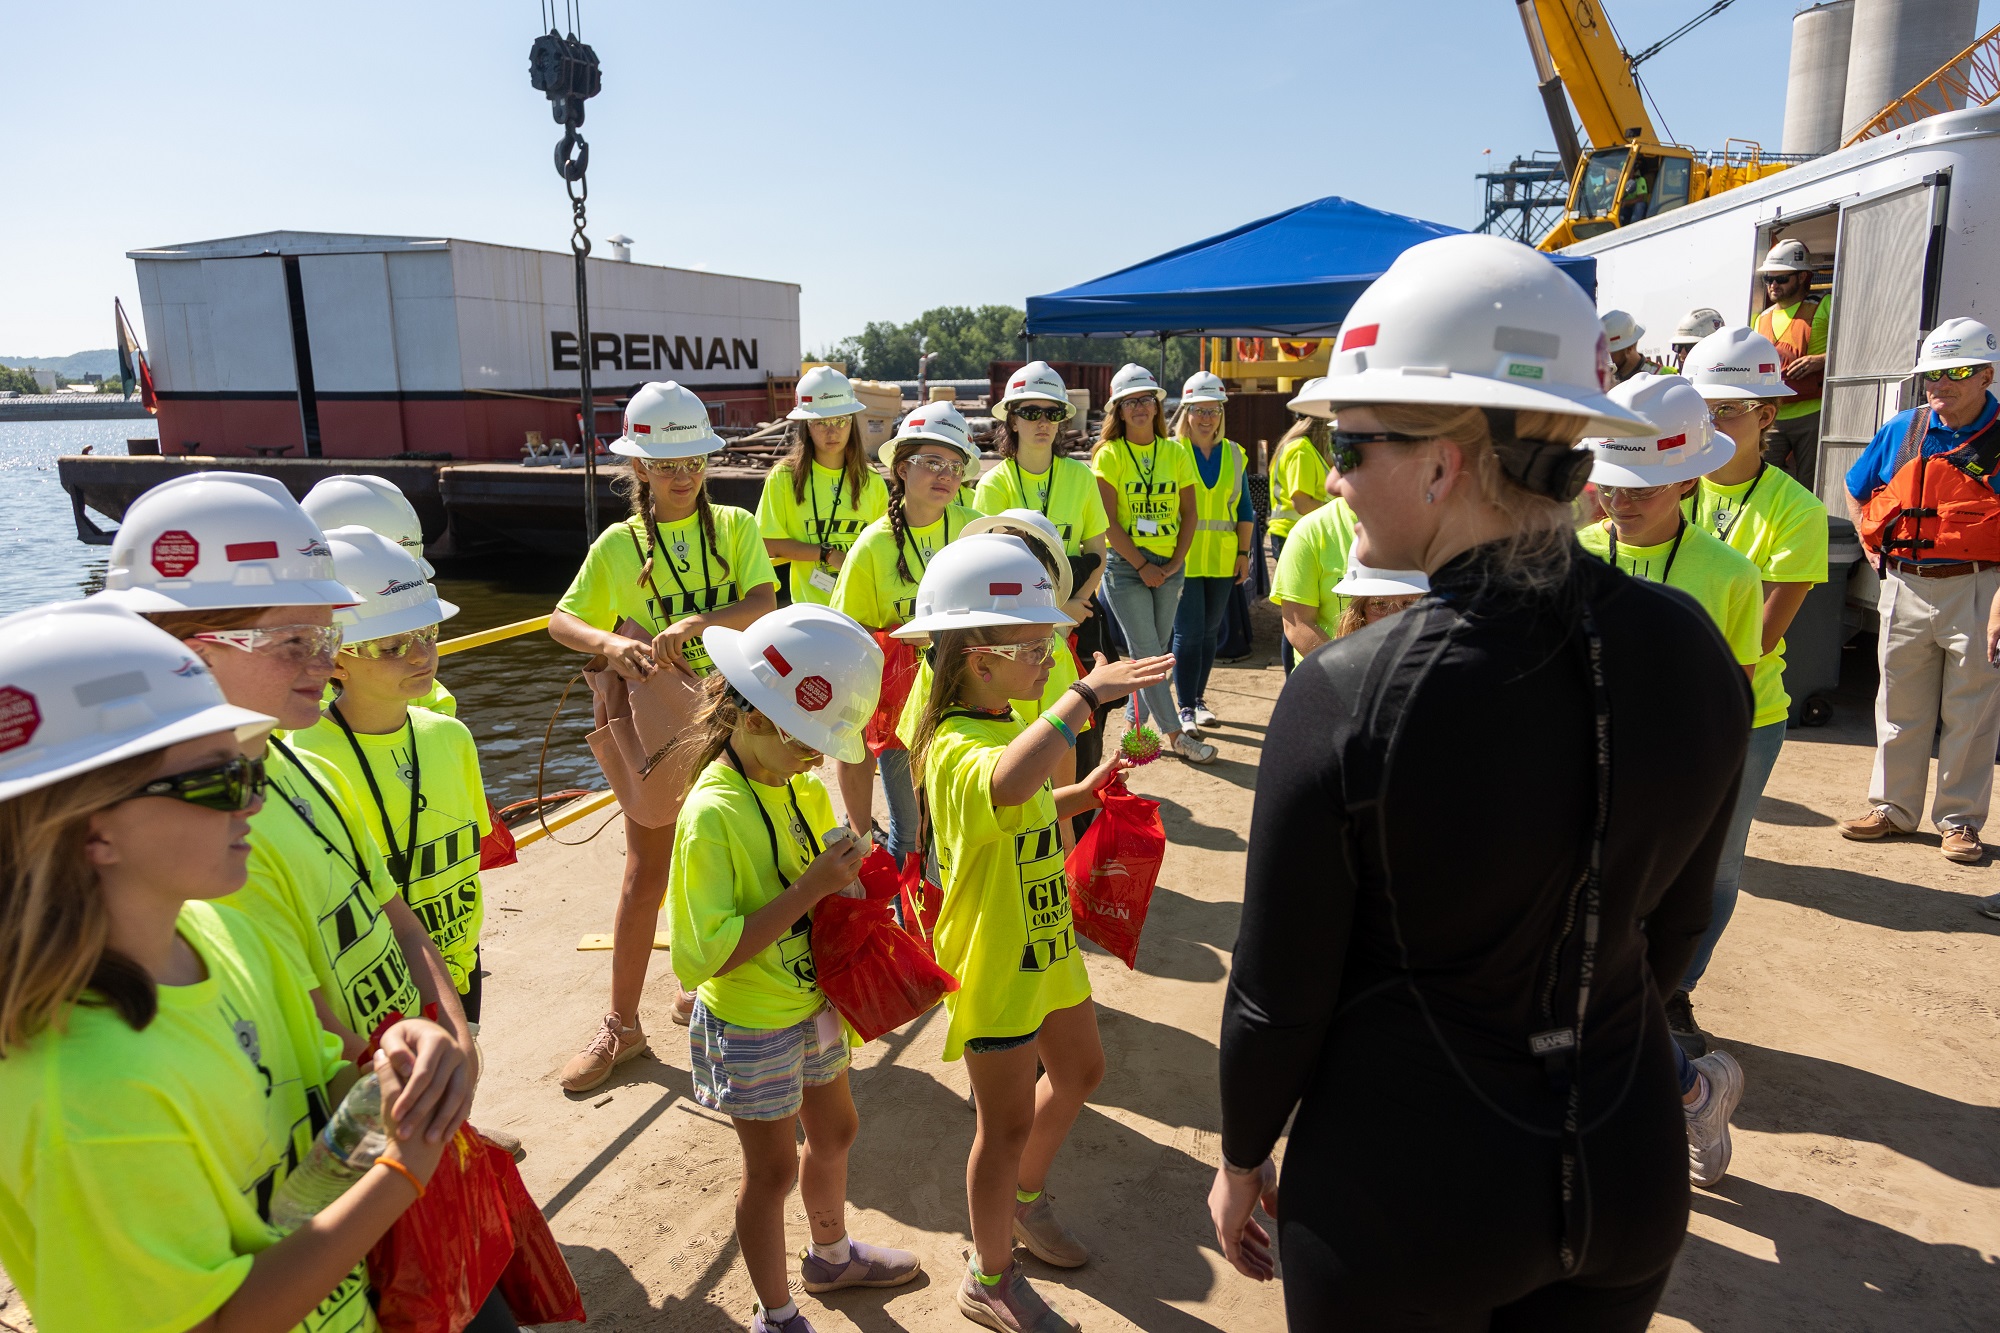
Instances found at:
x=664 y=420
x=983 y=581
x=395 y=596
x=813 y=671
x=1685 y=447
x=825 y=393
x=86 y=684
x=1132 y=380
x=938 y=423
x=1035 y=383
x=1735 y=363
x=218 y=540
x=1035 y=526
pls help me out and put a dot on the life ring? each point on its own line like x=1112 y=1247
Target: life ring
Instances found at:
x=1249 y=349
x=1298 y=350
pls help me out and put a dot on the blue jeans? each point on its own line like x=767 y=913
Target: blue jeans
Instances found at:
x=1765 y=742
x=1197 y=631
x=901 y=794
x=1146 y=617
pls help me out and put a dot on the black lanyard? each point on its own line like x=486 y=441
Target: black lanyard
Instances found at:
x=356 y=862
x=402 y=860
x=771 y=830
x=1672 y=551
x=812 y=493
x=708 y=586
x=923 y=561
x=1021 y=483
x=1722 y=530
x=1132 y=456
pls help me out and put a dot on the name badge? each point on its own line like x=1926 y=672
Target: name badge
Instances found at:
x=823 y=579
x=1145 y=527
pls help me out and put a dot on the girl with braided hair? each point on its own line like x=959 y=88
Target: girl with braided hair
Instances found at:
x=677 y=567
x=927 y=460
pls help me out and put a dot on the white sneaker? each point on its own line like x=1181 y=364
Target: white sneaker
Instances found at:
x=1204 y=716
x=1193 y=750
x=1188 y=724
x=1708 y=1129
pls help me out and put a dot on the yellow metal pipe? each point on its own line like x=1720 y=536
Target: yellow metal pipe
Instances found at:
x=569 y=814
x=494 y=635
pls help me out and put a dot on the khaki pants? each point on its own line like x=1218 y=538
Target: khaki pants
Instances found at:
x=1933 y=657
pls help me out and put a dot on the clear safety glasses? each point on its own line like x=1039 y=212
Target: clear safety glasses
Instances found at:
x=677 y=467
x=410 y=642
x=296 y=644
x=1637 y=493
x=229 y=787
x=938 y=463
x=1204 y=414
x=1730 y=409
x=1034 y=654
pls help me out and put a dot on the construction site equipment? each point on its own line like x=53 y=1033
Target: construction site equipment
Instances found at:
x=1970 y=78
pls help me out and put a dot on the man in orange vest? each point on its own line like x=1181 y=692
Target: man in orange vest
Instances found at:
x=1795 y=322
x=1923 y=497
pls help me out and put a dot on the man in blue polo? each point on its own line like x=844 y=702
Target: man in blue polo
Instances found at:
x=1923 y=496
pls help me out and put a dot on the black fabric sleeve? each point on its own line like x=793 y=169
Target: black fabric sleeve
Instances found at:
x=1676 y=925
x=1298 y=910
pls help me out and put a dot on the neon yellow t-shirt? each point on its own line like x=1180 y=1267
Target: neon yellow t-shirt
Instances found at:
x=1071 y=500
x=140 y=1166
x=1722 y=580
x=1148 y=480
x=1297 y=468
x=722 y=872
x=688 y=576
x=322 y=910
x=1062 y=674
x=1314 y=559
x=871 y=589
x=827 y=516
x=1004 y=930
x=444 y=888
x=1783 y=532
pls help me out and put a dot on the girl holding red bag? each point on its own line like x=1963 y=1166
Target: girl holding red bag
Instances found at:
x=927 y=460
x=1005 y=929
x=755 y=849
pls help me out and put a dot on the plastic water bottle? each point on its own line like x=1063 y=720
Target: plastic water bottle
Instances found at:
x=341 y=1154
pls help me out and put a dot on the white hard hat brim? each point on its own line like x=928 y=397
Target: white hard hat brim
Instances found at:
x=1065 y=584
x=1948 y=363
x=432 y=612
x=939 y=622
x=1204 y=396
x=999 y=409
x=1721 y=392
x=887 y=452
x=247 y=725
x=625 y=446
x=1455 y=389
x=1382 y=583
x=1783 y=266
x=234 y=597
x=725 y=649
x=1718 y=451
x=814 y=412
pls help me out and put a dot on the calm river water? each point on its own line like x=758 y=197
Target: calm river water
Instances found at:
x=505 y=691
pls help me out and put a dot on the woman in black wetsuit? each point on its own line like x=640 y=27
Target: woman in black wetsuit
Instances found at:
x=1528 y=777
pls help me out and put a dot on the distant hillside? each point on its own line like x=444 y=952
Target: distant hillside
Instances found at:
x=103 y=361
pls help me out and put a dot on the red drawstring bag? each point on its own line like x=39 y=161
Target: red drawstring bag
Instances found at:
x=876 y=973
x=496 y=849
x=537 y=1283
x=1113 y=868
x=442 y=1258
x=899 y=672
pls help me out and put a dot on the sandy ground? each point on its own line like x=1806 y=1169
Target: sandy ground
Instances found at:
x=1855 y=986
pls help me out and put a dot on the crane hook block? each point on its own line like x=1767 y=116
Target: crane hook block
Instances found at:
x=566 y=71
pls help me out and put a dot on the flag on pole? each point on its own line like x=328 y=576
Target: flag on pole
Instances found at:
x=132 y=361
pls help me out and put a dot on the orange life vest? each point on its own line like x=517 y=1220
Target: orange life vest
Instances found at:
x=1798 y=337
x=1938 y=508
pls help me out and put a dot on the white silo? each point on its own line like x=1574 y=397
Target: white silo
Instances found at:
x=1897 y=44
x=1816 y=90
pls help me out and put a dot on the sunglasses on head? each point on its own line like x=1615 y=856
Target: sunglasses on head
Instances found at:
x=1347 y=445
x=229 y=787
x=1040 y=413
x=394 y=645
x=296 y=644
x=1957 y=374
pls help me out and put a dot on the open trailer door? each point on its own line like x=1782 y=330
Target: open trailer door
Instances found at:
x=1885 y=296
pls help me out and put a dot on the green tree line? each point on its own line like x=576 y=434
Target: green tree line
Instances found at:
x=964 y=340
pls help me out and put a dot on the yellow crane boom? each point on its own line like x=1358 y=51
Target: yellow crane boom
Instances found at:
x=1593 y=67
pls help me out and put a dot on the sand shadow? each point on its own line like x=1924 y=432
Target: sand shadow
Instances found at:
x=1182 y=936
x=1870 y=900
x=1789 y=1093
x=1833 y=1270
x=613 y=1297
x=1162 y=1072
x=1184 y=830
x=1790 y=814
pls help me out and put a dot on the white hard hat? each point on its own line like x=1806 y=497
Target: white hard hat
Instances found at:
x=663 y=420
x=1038 y=527
x=85 y=684
x=1735 y=363
x=1697 y=324
x=1958 y=342
x=1475 y=321
x=394 y=595
x=980 y=581
x=371 y=502
x=214 y=540
x=825 y=393
x=813 y=671
x=1203 y=387
x=1787 y=257
x=1310 y=400
x=1686 y=446
x=939 y=423
x=1361 y=581
x=1035 y=383
x=1620 y=330
x=1133 y=379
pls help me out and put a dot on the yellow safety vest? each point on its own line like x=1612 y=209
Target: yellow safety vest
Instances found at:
x=1212 y=554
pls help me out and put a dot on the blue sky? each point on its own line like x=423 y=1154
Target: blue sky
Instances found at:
x=887 y=156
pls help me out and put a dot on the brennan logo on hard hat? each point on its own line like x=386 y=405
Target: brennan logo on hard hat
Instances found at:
x=190 y=666
x=395 y=586
x=310 y=549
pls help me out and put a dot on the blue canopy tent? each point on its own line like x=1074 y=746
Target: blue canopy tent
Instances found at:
x=1293 y=273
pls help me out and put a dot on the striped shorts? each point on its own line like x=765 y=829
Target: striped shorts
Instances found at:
x=759 y=1073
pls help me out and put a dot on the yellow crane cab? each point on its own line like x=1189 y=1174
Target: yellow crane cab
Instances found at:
x=1616 y=187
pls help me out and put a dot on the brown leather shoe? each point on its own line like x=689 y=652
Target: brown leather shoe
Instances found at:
x=1874 y=825
x=1961 y=845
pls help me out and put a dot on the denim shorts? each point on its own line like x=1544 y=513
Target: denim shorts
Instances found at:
x=994 y=1045
x=759 y=1073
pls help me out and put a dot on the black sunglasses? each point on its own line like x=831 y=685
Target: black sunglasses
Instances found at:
x=230 y=787
x=1347 y=445
x=1040 y=413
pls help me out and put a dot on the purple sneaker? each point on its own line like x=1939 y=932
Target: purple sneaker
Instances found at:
x=867 y=1266
x=1010 y=1305
x=798 y=1323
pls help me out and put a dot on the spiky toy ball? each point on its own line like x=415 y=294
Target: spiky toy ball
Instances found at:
x=1141 y=745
